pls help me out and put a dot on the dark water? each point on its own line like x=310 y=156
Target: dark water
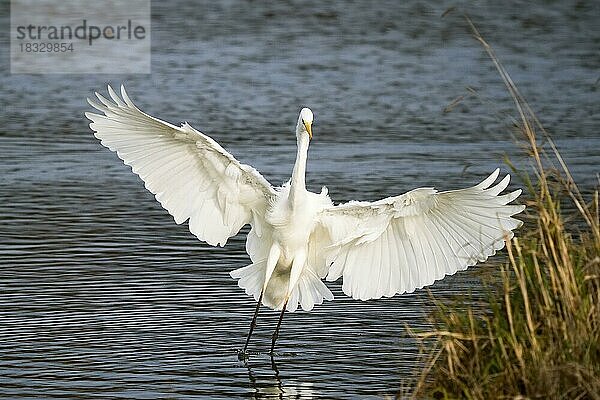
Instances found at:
x=103 y=296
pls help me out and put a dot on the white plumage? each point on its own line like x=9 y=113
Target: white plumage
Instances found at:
x=382 y=248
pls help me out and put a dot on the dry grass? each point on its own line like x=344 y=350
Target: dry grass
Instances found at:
x=541 y=335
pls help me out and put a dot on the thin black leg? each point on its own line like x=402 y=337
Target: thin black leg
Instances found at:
x=277 y=377
x=253 y=323
x=276 y=333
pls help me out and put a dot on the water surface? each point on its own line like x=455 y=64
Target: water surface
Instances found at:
x=102 y=295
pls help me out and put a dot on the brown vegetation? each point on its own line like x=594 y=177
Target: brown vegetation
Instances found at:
x=540 y=337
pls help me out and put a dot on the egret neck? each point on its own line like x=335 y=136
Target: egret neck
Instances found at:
x=298 y=183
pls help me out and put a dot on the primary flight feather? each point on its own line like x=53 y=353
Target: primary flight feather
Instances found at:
x=297 y=237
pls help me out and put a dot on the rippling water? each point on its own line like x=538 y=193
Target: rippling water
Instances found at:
x=102 y=295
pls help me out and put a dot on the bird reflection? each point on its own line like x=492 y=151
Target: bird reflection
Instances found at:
x=268 y=384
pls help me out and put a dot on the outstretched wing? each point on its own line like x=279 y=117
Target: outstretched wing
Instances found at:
x=402 y=243
x=189 y=173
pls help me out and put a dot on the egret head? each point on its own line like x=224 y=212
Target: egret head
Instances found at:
x=305 y=122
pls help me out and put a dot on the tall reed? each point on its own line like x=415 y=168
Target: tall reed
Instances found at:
x=540 y=334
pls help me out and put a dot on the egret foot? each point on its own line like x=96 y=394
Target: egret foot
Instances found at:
x=243 y=355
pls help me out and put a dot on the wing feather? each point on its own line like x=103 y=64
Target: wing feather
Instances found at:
x=393 y=261
x=449 y=243
x=402 y=243
x=436 y=262
x=189 y=173
x=407 y=257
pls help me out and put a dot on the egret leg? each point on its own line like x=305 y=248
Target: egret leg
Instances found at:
x=253 y=323
x=296 y=271
x=276 y=333
x=277 y=377
x=297 y=267
x=272 y=260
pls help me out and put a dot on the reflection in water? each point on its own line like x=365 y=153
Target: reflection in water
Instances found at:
x=270 y=386
x=102 y=295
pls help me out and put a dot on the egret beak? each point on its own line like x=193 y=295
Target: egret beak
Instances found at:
x=308 y=126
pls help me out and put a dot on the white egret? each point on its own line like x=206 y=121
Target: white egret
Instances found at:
x=297 y=237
